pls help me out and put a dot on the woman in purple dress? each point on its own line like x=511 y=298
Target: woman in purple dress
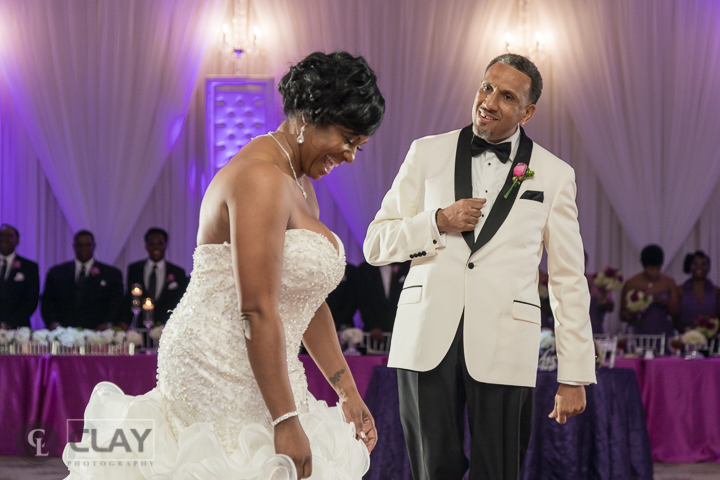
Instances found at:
x=698 y=296
x=601 y=303
x=657 y=318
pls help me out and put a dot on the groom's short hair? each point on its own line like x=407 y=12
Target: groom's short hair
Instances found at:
x=522 y=64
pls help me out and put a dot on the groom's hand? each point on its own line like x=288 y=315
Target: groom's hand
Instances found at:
x=461 y=216
x=569 y=401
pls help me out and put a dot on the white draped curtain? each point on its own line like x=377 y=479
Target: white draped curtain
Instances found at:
x=629 y=102
x=640 y=80
x=103 y=89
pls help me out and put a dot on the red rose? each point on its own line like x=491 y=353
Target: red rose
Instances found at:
x=16 y=264
x=635 y=296
x=95 y=271
x=171 y=277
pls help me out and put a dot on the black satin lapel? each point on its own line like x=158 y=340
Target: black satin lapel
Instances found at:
x=463 y=173
x=502 y=206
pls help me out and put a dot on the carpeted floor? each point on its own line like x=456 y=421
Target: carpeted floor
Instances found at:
x=14 y=468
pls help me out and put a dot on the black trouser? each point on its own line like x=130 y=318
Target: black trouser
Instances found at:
x=432 y=407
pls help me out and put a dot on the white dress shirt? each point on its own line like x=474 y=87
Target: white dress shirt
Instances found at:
x=8 y=265
x=160 y=275
x=78 y=267
x=488 y=177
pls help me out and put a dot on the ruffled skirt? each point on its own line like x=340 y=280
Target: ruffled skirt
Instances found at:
x=130 y=438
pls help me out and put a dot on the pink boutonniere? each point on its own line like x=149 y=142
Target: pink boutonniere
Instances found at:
x=520 y=172
x=95 y=271
x=16 y=264
x=170 y=277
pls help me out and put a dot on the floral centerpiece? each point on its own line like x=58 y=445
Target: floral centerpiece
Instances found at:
x=547 y=340
x=707 y=325
x=352 y=337
x=68 y=340
x=543 y=290
x=694 y=340
x=637 y=302
x=6 y=336
x=694 y=337
x=548 y=359
x=156 y=332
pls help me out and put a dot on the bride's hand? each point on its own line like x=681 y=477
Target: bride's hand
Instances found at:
x=357 y=412
x=290 y=440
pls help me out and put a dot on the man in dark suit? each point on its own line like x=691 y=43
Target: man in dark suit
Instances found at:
x=19 y=282
x=343 y=301
x=84 y=292
x=379 y=289
x=160 y=280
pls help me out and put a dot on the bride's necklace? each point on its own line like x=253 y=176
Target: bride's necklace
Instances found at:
x=291 y=165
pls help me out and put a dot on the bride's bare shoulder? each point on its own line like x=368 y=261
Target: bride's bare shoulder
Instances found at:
x=255 y=166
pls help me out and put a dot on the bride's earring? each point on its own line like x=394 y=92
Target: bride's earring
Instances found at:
x=301 y=137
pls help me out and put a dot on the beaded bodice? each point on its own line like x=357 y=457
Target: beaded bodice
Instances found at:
x=204 y=374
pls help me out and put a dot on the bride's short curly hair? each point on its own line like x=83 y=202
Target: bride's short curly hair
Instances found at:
x=334 y=89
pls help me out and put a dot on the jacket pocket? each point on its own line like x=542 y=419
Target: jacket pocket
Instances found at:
x=411 y=294
x=527 y=312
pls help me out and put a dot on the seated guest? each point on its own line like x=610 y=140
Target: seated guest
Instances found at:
x=19 y=282
x=657 y=318
x=343 y=300
x=379 y=290
x=698 y=296
x=601 y=303
x=84 y=292
x=161 y=281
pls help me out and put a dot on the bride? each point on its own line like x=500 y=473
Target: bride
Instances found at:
x=231 y=400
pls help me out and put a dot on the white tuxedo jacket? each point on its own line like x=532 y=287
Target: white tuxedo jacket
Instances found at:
x=493 y=280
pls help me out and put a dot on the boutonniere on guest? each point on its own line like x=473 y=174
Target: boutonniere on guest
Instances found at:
x=16 y=264
x=170 y=277
x=95 y=271
x=520 y=172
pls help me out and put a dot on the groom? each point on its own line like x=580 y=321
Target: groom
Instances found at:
x=473 y=209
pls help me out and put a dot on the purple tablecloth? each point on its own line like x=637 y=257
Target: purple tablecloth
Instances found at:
x=681 y=398
x=20 y=396
x=55 y=389
x=68 y=382
x=682 y=403
x=607 y=442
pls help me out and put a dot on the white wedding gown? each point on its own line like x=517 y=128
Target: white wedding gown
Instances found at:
x=209 y=420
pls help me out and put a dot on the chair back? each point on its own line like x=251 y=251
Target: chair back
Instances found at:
x=640 y=343
x=714 y=347
x=606 y=348
x=374 y=347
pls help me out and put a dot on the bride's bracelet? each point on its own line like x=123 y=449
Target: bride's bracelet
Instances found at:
x=282 y=418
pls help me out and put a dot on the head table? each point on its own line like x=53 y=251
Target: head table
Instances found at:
x=680 y=399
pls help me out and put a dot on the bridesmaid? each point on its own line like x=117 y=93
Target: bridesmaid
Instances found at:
x=657 y=319
x=698 y=296
x=600 y=302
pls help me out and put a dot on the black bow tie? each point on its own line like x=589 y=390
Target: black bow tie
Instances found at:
x=502 y=150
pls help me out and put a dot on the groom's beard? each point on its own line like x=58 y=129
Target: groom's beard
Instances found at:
x=485 y=135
